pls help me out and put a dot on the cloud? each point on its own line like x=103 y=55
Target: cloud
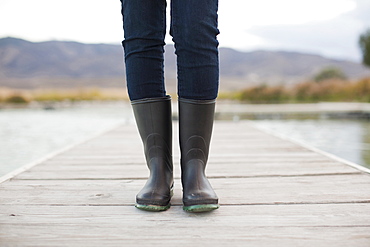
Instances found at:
x=361 y=13
x=334 y=39
x=248 y=13
x=337 y=37
x=83 y=20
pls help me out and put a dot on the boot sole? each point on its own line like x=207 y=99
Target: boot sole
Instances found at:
x=152 y=208
x=200 y=208
x=155 y=208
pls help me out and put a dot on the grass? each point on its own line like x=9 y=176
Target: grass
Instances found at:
x=22 y=96
x=305 y=92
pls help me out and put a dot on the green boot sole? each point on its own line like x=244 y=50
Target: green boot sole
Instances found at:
x=200 y=208
x=155 y=208
x=152 y=208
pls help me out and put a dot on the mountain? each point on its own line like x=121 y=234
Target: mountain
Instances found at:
x=22 y=59
x=25 y=64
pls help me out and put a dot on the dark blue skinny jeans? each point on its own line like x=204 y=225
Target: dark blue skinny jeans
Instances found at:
x=193 y=30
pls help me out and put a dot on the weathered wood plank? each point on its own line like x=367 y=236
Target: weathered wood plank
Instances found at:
x=220 y=157
x=254 y=190
x=162 y=234
x=240 y=168
x=294 y=215
x=268 y=225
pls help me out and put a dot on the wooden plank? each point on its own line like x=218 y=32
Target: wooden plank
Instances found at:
x=215 y=158
x=254 y=190
x=86 y=170
x=287 y=225
x=294 y=215
x=162 y=234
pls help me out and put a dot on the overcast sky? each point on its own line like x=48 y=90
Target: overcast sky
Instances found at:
x=326 y=27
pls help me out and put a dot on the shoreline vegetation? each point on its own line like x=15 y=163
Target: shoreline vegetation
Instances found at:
x=11 y=96
x=331 y=90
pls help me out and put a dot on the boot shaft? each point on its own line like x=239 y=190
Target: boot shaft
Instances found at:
x=196 y=119
x=154 y=122
x=196 y=124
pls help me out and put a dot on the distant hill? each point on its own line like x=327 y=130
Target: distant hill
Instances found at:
x=25 y=64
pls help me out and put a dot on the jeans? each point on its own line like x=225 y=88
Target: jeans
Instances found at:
x=193 y=30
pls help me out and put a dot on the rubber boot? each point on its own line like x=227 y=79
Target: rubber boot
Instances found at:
x=195 y=126
x=154 y=121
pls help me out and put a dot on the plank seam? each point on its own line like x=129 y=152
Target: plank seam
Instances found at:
x=179 y=204
x=221 y=204
x=210 y=177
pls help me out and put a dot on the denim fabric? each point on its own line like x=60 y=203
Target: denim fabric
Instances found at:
x=193 y=29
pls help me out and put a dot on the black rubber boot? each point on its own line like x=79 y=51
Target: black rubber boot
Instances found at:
x=195 y=124
x=154 y=121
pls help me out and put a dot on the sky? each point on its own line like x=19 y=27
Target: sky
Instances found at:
x=326 y=27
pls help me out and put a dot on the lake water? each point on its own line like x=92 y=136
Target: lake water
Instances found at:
x=348 y=139
x=27 y=135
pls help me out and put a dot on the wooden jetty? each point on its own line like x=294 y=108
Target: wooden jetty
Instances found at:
x=273 y=192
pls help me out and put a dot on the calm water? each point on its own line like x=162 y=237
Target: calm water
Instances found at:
x=348 y=139
x=29 y=134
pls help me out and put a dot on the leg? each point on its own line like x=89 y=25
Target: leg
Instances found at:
x=144 y=24
x=194 y=31
x=144 y=27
